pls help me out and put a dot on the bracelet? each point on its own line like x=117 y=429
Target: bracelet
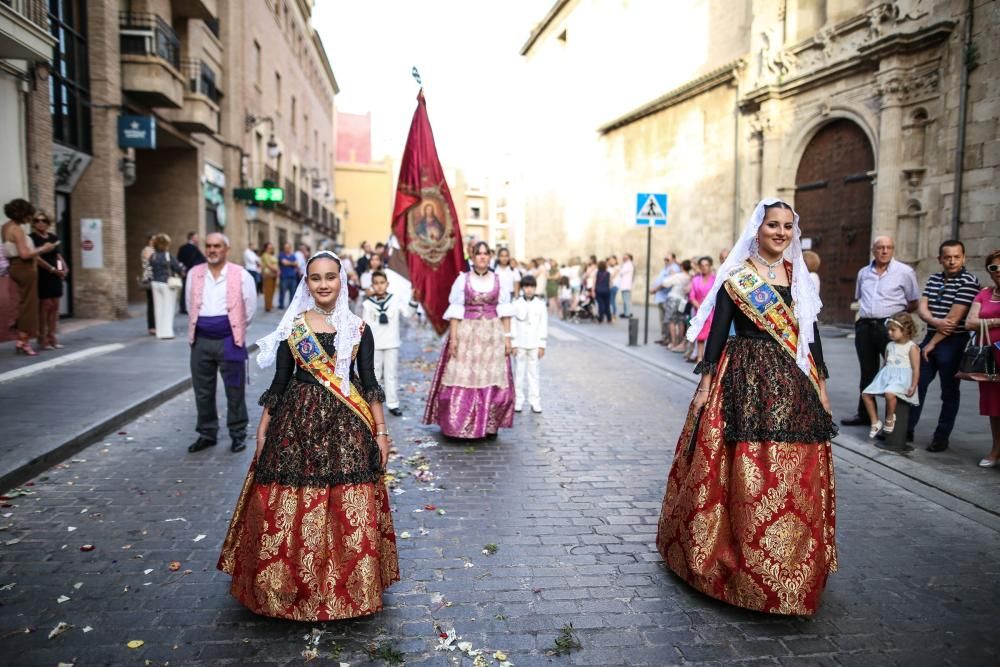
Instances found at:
x=378 y=433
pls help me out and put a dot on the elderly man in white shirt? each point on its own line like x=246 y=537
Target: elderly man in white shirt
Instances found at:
x=222 y=299
x=884 y=287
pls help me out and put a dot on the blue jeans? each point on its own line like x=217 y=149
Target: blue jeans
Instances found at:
x=626 y=302
x=944 y=361
x=288 y=284
x=614 y=301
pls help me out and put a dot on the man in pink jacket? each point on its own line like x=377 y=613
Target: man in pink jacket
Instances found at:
x=221 y=298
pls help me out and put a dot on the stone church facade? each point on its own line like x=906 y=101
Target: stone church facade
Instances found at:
x=854 y=111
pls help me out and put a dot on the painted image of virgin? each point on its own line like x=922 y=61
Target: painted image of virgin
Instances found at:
x=429 y=227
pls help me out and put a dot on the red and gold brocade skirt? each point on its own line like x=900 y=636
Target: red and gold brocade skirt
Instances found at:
x=311 y=554
x=749 y=523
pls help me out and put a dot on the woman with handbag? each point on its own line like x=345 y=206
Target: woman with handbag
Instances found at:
x=166 y=282
x=984 y=317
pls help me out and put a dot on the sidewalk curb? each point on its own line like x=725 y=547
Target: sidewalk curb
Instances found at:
x=64 y=450
x=858 y=455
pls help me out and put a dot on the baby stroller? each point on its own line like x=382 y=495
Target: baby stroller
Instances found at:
x=584 y=310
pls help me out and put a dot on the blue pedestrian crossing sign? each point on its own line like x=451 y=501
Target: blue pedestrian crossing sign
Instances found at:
x=651 y=209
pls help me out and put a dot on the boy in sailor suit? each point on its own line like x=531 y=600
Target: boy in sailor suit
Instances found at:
x=382 y=313
x=529 y=327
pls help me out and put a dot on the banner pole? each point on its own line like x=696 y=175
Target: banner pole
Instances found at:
x=649 y=261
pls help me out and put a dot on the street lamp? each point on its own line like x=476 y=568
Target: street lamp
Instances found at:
x=251 y=121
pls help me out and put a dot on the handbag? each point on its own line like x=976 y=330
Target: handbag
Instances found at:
x=978 y=361
x=174 y=281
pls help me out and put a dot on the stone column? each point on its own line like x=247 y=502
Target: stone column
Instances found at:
x=100 y=193
x=889 y=153
x=41 y=181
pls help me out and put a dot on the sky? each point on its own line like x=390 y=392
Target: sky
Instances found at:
x=467 y=52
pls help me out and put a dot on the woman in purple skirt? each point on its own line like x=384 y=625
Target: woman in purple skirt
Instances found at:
x=472 y=394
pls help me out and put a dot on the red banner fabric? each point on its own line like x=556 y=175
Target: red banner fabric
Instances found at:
x=424 y=220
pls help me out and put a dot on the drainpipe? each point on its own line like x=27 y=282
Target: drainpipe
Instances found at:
x=968 y=63
x=736 y=163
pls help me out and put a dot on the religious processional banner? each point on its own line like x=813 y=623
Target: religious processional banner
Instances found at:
x=424 y=221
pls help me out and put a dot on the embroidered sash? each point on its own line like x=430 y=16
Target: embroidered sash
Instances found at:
x=311 y=356
x=762 y=304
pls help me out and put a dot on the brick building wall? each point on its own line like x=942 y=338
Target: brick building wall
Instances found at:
x=165 y=199
x=100 y=192
x=41 y=181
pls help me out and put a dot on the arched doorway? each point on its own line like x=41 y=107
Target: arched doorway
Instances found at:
x=833 y=196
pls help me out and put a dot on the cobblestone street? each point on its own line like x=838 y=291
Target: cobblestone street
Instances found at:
x=569 y=501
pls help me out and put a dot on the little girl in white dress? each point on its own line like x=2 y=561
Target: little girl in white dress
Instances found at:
x=899 y=376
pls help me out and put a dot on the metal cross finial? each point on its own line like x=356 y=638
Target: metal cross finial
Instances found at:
x=416 y=76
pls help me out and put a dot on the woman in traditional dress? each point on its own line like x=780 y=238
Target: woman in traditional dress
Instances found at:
x=748 y=516
x=312 y=537
x=472 y=394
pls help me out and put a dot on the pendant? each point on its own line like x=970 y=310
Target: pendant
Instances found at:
x=770 y=274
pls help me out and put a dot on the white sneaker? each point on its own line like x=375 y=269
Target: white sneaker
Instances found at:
x=518 y=408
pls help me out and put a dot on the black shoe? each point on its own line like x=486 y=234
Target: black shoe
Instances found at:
x=518 y=410
x=537 y=411
x=938 y=445
x=856 y=420
x=200 y=444
x=396 y=412
x=237 y=446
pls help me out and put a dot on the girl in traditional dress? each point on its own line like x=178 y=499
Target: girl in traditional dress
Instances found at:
x=748 y=516
x=312 y=537
x=472 y=394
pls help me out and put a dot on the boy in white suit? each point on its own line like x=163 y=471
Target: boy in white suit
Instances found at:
x=382 y=313
x=529 y=327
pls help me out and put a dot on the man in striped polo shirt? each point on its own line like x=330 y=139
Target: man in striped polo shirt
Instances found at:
x=943 y=306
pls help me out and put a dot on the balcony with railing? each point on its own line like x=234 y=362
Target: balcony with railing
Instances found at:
x=24 y=30
x=200 y=112
x=151 y=60
x=206 y=10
